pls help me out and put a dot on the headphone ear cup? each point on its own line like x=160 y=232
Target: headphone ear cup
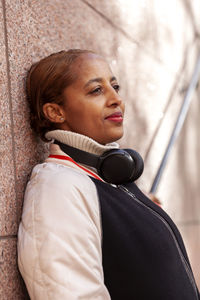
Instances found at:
x=138 y=162
x=116 y=166
x=120 y=166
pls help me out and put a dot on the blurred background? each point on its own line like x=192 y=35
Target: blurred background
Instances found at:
x=152 y=46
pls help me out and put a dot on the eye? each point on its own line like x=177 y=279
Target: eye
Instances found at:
x=116 y=87
x=98 y=90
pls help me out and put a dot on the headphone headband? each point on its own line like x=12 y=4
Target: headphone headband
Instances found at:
x=79 y=155
x=115 y=166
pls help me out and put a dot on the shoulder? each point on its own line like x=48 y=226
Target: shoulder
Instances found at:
x=57 y=192
x=59 y=175
x=51 y=181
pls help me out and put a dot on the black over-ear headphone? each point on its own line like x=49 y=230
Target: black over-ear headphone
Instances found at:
x=115 y=166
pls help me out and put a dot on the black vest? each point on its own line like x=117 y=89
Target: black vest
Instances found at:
x=144 y=257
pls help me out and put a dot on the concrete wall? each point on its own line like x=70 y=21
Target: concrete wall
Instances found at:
x=152 y=46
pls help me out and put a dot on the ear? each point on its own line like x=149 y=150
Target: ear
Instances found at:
x=54 y=112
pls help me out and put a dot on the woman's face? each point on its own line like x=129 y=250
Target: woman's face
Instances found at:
x=92 y=104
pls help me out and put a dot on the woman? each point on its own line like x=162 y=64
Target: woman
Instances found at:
x=82 y=237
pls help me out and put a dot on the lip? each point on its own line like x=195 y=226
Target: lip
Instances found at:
x=115 y=117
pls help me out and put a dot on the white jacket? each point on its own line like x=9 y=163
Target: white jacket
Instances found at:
x=59 y=238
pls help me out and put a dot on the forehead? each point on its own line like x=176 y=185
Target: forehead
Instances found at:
x=91 y=65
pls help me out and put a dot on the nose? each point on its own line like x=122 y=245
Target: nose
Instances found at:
x=114 y=99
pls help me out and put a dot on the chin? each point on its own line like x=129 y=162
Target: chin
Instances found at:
x=113 y=138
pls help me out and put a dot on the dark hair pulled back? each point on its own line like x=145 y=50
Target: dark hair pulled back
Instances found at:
x=46 y=82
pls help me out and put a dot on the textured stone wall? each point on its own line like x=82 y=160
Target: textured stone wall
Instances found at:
x=152 y=46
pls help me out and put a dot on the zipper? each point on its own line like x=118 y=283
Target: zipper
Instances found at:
x=185 y=263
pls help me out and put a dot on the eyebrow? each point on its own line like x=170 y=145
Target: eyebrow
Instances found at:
x=113 y=78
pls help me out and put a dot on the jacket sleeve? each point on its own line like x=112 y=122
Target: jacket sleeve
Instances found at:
x=59 y=239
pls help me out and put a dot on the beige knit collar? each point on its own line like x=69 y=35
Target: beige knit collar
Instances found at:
x=79 y=141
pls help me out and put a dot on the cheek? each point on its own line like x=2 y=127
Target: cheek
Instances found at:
x=93 y=112
x=86 y=113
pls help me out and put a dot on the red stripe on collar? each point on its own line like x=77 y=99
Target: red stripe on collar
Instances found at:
x=70 y=159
